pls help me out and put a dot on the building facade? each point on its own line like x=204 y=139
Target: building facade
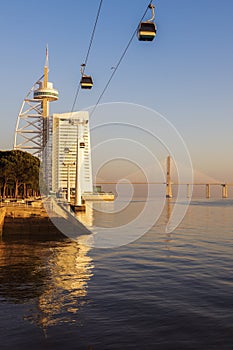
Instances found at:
x=70 y=130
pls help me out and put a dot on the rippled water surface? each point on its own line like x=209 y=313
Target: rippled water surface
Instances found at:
x=164 y=291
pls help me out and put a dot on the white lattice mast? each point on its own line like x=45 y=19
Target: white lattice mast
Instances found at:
x=28 y=130
x=33 y=122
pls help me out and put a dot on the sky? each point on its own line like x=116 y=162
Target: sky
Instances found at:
x=185 y=74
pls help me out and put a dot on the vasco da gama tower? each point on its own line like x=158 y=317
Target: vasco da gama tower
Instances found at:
x=54 y=138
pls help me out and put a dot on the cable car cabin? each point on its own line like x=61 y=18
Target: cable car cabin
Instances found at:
x=82 y=145
x=146 y=31
x=86 y=82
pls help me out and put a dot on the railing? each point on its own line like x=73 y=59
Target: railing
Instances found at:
x=17 y=203
x=13 y=204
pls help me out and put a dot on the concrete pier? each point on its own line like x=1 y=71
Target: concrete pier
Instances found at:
x=224 y=191
x=168 y=179
x=207 y=190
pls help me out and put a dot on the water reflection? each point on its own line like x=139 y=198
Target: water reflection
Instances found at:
x=54 y=275
x=107 y=214
x=110 y=214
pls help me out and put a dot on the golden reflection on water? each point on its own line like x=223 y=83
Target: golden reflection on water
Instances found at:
x=70 y=271
x=87 y=217
x=55 y=277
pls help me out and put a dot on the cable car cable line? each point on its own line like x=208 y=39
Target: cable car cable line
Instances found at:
x=120 y=60
x=87 y=55
x=83 y=66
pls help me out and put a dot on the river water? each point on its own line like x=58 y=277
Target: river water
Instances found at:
x=163 y=291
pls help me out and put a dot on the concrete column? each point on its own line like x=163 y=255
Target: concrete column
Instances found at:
x=168 y=179
x=224 y=191
x=169 y=190
x=207 y=190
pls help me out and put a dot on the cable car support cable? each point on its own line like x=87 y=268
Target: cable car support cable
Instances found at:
x=120 y=60
x=87 y=55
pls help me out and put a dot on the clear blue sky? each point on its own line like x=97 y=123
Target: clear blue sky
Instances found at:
x=186 y=73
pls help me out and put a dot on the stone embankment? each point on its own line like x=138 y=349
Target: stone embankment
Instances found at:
x=25 y=220
x=18 y=219
x=2 y=217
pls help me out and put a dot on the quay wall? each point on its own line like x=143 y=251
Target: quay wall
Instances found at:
x=2 y=217
x=29 y=221
x=45 y=221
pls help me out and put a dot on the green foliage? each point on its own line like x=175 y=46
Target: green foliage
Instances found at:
x=18 y=168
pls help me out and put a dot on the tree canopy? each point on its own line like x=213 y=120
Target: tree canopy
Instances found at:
x=19 y=173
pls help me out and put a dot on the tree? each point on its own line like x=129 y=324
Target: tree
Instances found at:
x=20 y=167
x=6 y=171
